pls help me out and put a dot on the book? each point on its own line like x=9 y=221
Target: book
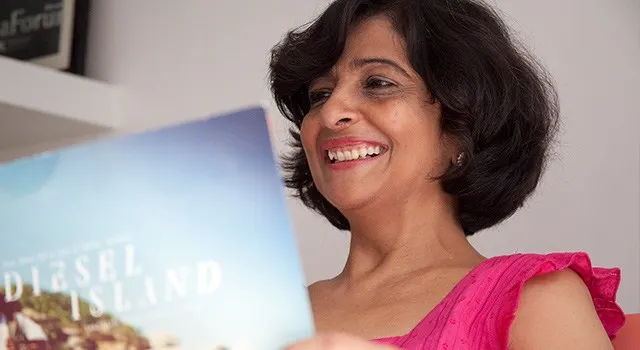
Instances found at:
x=172 y=238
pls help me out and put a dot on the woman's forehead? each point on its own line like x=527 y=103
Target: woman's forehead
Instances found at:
x=373 y=39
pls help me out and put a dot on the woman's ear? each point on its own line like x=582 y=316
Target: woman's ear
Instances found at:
x=452 y=150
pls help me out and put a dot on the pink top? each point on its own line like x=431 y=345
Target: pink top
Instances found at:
x=478 y=312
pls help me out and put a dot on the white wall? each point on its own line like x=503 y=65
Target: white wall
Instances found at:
x=185 y=59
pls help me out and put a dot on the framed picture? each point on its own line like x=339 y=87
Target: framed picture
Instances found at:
x=79 y=37
x=50 y=33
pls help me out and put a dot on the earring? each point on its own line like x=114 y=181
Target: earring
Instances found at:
x=460 y=159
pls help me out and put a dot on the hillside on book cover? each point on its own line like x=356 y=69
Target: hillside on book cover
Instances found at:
x=176 y=238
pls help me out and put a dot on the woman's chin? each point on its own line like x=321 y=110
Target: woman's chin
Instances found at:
x=351 y=200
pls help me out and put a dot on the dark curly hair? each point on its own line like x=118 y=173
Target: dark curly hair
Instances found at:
x=497 y=101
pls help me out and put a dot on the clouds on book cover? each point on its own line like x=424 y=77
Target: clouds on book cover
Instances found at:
x=181 y=231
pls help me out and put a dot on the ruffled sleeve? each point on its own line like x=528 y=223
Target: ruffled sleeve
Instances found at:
x=479 y=311
x=603 y=284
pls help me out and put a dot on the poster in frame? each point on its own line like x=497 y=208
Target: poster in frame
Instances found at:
x=49 y=33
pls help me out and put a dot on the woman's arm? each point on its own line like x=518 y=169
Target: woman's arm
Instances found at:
x=556 y=312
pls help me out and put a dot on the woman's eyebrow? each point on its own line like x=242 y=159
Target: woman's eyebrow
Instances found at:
x=361 y=62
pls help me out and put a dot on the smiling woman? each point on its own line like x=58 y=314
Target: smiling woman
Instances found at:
x=418 y=123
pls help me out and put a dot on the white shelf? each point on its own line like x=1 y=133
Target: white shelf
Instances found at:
x=40 y=107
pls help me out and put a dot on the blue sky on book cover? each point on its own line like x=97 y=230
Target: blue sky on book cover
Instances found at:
x=181 y=231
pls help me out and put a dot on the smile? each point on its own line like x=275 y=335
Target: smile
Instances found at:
x=353 y=153
x=347 y=152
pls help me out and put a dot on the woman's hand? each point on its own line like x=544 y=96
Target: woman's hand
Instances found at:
x=338 y=341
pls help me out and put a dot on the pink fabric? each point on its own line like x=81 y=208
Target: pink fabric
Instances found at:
x=478 y=312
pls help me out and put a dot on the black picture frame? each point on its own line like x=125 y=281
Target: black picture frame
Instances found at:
x=80 y=38
x=49 y=33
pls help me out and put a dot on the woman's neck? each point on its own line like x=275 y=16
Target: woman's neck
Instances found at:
x=403 y=238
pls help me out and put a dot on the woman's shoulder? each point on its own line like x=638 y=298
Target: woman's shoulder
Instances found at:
x=524 y=299
x=554 y=292
x=523 y=267
x=565 y=268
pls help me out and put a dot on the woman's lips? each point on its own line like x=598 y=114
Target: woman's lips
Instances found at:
x=346 y=152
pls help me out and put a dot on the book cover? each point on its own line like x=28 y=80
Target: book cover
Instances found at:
x=175 y=238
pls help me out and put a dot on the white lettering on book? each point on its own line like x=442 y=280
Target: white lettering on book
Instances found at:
x=120 y=281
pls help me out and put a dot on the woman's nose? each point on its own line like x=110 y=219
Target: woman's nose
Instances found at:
x=337 y=113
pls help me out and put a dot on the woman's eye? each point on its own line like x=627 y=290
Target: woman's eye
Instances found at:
x=376 y=83
x=319 y=96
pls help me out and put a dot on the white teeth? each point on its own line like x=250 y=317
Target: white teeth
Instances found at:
x=347 y=155
x=353 y=154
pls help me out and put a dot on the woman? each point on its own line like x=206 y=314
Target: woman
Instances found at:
x=417 y=124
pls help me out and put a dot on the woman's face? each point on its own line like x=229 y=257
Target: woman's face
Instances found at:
x=371 y=135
